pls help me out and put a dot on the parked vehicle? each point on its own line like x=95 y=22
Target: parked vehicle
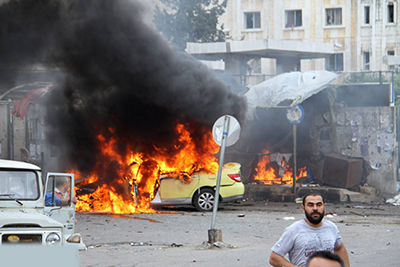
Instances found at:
x=25 y=219
x=199 y=191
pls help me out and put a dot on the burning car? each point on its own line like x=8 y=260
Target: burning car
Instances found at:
x=199 y=189
x=25 y=219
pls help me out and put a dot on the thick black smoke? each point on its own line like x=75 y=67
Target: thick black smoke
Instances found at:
x=120 y=74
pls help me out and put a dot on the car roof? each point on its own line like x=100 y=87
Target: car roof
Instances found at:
x=12 y=164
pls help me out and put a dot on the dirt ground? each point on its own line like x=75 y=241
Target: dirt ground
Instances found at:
x=177 y=236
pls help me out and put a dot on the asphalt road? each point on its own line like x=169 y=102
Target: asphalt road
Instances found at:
x=176 y=236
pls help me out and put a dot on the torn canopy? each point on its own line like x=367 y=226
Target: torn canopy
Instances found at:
x=286 y=86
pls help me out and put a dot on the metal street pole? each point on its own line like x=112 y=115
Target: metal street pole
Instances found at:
x=294 y=159
x=221 y=164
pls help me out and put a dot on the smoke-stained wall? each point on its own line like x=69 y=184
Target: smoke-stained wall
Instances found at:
x=367 y=131
x=370 y=133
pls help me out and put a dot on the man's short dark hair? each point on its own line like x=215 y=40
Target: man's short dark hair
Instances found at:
x=313 y=193
x=326 y=254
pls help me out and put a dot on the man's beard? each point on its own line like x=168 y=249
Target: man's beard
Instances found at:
x=315 y=220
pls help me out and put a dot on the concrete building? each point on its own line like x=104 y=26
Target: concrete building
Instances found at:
x=357 y=134
x=22 y=136
x=353 y=35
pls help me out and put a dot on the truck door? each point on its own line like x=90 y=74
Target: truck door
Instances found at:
x=59 y=191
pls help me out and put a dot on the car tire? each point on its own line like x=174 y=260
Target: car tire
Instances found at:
x=205 y=200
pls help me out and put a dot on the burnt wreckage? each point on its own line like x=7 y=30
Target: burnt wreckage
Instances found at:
x=347 y=137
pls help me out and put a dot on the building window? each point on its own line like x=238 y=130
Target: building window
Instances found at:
x=253 y=20
x=333 y=16
x=336 y=62
x=293 y=18
x=391 y=53
x=366 y=15
x=366 y=61
x=390 y=10
x=253 y=66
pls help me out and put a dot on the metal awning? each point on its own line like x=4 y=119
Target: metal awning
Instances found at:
x=267 y=48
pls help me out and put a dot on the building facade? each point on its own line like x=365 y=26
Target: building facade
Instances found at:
x=364 y=32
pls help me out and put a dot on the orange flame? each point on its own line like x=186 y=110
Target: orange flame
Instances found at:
x=100 y=191
x=267 y=174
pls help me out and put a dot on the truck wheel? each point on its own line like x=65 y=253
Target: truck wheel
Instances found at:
x=205 y=200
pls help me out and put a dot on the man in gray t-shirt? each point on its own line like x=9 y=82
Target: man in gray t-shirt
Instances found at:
x=307 y=236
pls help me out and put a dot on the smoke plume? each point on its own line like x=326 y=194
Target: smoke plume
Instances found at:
x=120 y=77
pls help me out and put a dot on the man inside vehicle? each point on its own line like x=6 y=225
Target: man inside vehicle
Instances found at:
x=61 y=195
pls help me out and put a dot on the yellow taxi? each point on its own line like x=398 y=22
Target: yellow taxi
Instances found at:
x=199 y=191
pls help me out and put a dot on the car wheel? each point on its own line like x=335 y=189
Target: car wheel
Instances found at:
x=205 y=200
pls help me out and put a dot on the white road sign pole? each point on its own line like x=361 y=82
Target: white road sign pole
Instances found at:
x=226 y=132
x=221 y=164
x=295 y=114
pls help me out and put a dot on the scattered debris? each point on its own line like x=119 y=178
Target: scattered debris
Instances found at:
x=133 y=244
x=331 y=214
x=394 y=201
x=174 y=245
x=220 y=245
x=358 y=214
x=289 y=218
x=299 y=200
x=365 y=207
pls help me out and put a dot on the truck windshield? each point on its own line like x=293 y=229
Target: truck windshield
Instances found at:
x=21 y=185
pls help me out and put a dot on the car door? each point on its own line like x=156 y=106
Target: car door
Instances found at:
x=60 y=210
x=174 y=188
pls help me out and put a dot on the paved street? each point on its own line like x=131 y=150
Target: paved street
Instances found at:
x=174 y=237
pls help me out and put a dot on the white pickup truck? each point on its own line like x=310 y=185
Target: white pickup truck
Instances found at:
x=31 y=215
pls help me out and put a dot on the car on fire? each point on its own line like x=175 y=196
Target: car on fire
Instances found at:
x=199 y=191
x=25 y=220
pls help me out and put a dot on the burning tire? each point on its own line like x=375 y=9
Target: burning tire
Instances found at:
x=205 y=200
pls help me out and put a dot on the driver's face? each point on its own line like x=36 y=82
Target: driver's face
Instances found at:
x=64 y=187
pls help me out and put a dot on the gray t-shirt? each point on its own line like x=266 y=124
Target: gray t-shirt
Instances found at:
x=300 y=240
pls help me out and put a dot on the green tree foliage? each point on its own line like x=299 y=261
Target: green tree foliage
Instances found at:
x=365 y=77
x=183 y=21
x=396 y=83
x=374 y=77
